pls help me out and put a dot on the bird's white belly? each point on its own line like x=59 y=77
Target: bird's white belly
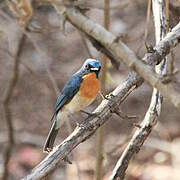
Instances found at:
x=61 y=117
x=78 y=103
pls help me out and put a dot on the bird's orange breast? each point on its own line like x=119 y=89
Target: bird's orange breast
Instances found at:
x=90 y=86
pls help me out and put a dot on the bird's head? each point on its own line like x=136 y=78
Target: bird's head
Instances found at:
x=90 y=66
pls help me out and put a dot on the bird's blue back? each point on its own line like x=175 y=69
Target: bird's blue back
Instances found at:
x=70 y=89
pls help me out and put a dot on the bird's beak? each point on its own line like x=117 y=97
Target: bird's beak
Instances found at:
x=94 y=69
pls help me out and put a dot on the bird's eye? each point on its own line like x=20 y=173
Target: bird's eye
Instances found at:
x=87 y=66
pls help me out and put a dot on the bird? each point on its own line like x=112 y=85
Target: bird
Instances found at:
x=79 y=92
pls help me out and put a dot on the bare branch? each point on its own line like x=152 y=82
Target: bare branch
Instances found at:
x=155 y=106
x=6 y=104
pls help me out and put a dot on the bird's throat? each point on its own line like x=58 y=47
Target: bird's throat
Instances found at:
x=90 y=86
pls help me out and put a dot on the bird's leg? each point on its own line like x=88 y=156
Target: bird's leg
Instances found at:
x=85 y=112
x=88 y=125
x=90 y=114
x=102 y=95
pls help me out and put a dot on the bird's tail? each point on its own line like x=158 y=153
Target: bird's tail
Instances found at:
x=51 y=138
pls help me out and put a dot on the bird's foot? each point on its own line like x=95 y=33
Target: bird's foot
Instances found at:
x=107 y=97
x=85 y=112
x=110 y=97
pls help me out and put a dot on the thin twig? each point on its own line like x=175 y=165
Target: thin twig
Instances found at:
x=147 y=20
x=6 y=104
x=167 y=14
x=172 y=59
x=146 y=27
x=100 y=134
x=85 y=44
x=51 y=77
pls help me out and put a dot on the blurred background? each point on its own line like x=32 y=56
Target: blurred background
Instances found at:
x=43 y=71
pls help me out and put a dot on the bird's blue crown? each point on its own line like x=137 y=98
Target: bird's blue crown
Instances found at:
x=91 y=65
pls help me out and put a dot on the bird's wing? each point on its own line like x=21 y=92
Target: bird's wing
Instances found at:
x=70 y=89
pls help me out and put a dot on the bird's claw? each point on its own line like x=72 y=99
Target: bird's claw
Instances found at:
x=107 y=97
